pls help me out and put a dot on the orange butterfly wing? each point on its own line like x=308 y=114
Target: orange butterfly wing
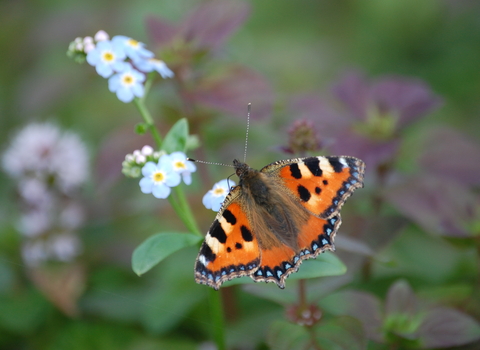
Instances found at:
x=230 y=248
x=322 y=184
x=278 y=263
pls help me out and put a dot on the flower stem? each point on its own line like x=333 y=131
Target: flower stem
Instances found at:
x=147 y=118
x=216 y=314
x=186 y=213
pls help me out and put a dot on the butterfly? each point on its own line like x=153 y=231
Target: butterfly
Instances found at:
x=277 y=217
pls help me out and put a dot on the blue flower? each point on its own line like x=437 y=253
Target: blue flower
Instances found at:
x=153 y=64
x=127 y=84
x=214 y=198
x=158 y=178
x=182 y=166
x=133 y=48
x=107 y=58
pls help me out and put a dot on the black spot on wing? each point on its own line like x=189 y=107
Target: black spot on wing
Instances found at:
x=229 y=250
x=207 y=252
x=246 y=234
x=336 y=165
x=318 y=190
x=325 y=182
x=313 y=164
x=238 y=245
x=217 y=232
x=304 y=193
x=231 y=219
x=295 y=171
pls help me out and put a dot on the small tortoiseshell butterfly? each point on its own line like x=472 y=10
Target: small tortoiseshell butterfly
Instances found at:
x=277 y=217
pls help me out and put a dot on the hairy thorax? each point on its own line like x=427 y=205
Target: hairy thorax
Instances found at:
x=276 y=217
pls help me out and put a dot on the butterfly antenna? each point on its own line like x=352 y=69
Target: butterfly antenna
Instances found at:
x=249 y=107
x=228 y=181
x=210 y=163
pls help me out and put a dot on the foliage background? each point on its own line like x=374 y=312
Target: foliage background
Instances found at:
x=298 y=47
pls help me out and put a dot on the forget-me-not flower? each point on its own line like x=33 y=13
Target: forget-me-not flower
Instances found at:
x=158 y=178
x=182 y=166
x=154 y=64
x=107 y=58
x=133 y=48
x=214 y=198
x=127 y=84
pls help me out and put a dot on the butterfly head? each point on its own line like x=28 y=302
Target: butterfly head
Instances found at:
x=240 y=168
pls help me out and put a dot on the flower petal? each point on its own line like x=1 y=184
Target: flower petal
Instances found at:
x=173 y=179
x=207 y=200
x=146 y=185
x=149 y=168
x=161 y=191
x=187 y=178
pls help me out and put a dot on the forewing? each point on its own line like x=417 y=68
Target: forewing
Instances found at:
x=321 y=184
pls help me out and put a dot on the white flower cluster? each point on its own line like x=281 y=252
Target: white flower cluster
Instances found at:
x=134 y=162
x=122 y=60
x=49 y=165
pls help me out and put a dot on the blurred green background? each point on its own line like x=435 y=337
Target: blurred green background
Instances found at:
x=298 y=47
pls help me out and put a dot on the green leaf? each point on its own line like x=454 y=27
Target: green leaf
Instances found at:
x=157 y=247
x=24 y=312
x=193 y=142
x=141 y=128
x=175 y=299
x=341 y=333
x=176 y=138
x=284 y=335
x=326 y=264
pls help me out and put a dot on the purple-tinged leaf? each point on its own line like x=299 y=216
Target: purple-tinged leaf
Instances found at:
x=360 y=305
x=401 y=299
x=233 y=90
x=439 y=206
x=372 y=152
x=311 y=107
x=212 y=22
x=319 y=288
x=445 y=327
x=448 y=153
x=409 y=98
x=352 y=90
x=353 y=245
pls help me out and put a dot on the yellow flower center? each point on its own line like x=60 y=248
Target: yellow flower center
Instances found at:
x=179 y=165
x=108 y=56
x=218 y=191
x=158 y=176
x=133 y=43
x=127 y=79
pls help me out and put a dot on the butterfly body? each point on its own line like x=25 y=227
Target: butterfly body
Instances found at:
x=277 y=217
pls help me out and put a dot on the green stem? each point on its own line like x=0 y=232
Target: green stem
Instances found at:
x=216 y=314
x=187 y=214
x=139 y=103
